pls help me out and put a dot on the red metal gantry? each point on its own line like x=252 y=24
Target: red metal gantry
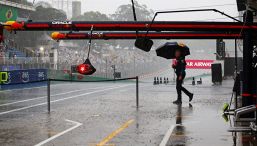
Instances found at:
x=228 y=27
x=157 y=30
x=126 y=30
x=152 y=35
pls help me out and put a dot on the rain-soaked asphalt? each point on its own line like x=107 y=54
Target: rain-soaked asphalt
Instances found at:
x=85 y=114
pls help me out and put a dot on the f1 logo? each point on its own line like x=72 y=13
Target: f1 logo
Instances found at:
x=3 y=76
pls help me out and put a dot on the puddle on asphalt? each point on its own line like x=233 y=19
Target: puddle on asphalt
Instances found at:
x=179 y=135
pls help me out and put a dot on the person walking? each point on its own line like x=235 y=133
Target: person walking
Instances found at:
x=180 y=70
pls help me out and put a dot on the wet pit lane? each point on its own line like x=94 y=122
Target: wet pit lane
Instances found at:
x=90 y=114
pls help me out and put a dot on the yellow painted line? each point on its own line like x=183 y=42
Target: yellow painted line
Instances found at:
x=115 y=133
x=93 y=144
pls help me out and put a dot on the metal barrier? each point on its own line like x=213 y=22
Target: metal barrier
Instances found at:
x=124 y=79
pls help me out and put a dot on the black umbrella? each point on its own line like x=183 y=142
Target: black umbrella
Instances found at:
x=168 y=50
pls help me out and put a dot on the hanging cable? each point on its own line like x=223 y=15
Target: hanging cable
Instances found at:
x=33 y=2
x=206 y=6
x=90 y=41
x=215 y=19
x=134 y=10
x=242 y=29
x=134 y=13
x=185 y=11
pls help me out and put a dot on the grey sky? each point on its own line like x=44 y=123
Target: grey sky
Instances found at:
x=109 y=7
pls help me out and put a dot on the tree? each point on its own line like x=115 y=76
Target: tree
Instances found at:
x=125 y=13
x=48 y=14
x=25 y=2
x=41 y=14
x=92 y=16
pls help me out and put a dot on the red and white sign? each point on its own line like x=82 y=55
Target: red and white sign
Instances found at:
x=198 y=64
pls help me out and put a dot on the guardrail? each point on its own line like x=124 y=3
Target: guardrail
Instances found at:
x=17 y=5
x=124 y=79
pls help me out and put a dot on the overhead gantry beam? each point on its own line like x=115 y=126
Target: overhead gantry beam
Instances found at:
x=228 y=27
x=152 y=35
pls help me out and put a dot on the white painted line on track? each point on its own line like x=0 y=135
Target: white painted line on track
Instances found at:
x=77 y=124
x=167 y=136
x=22 y=89
x=37 y=98
x=31 y=88
x=169 y=132
x=75 y=96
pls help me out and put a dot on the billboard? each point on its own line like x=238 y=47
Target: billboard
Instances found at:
x=198 y=64
x=8 y=13
x=26 y=76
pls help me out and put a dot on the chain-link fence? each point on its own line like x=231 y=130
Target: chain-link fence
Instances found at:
x=19 y=63
x=104 y=66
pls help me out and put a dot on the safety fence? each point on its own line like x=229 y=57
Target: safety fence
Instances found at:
x=34 y=77
x=49 y=81
x=115 y=80
x=104 y=67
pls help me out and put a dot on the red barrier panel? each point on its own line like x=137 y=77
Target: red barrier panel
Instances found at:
x=151 y=35
x=198 y=64
x=228 y=27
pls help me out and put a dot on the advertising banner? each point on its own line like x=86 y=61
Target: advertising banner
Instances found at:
x=198 y=64
x=26 y=76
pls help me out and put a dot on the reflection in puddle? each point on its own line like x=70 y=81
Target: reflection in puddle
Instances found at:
x=178 y=137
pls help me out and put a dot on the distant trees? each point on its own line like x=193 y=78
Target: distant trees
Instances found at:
x=92 y=16
x=25 y=2
x=47 y=14
x=30 y=39
x=125 y=13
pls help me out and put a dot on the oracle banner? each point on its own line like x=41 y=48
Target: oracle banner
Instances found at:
x=198 y=64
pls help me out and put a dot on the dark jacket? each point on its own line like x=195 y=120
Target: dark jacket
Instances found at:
x=180 y=67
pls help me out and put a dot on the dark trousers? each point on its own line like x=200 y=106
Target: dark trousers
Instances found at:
x=180 y=88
